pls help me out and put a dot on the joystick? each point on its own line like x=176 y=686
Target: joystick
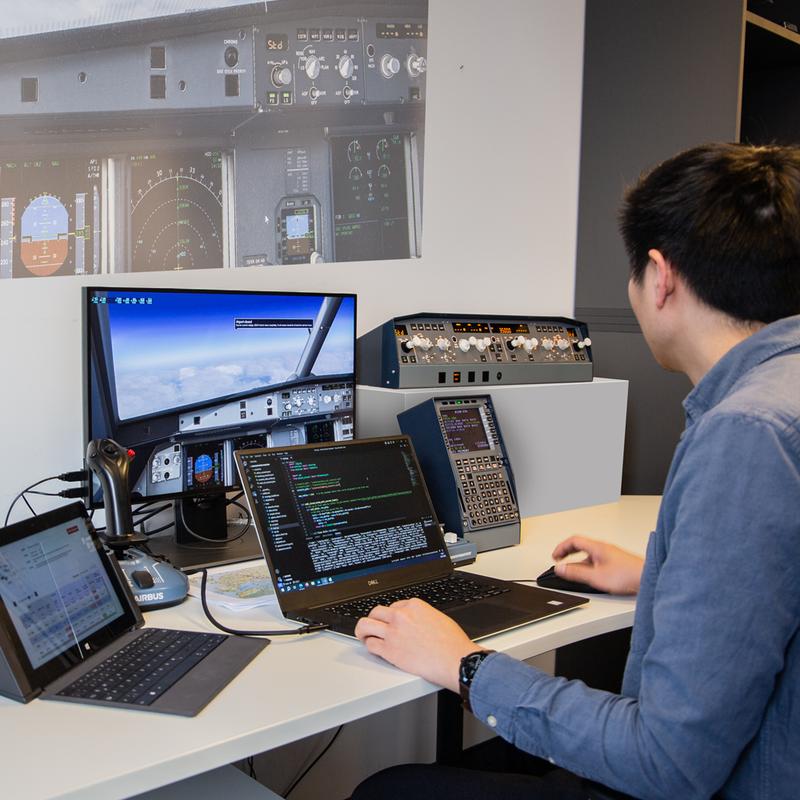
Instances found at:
x=166 y=585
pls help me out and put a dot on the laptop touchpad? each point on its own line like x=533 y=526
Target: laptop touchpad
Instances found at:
x=489 y=615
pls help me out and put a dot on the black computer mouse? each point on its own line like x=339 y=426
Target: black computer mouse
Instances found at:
x=549 y=580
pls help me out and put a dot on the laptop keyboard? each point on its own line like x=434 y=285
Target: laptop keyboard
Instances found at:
x=139 y=673
x=455 y=588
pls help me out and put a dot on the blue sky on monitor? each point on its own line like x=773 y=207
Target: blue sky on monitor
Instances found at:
x=183 y=348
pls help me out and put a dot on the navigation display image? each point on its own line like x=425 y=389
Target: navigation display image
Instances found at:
x=176 y=211
x=183 y=378
x=50 y=213
x=216 y=134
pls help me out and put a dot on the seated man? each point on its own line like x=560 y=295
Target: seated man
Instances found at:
x=710 y=704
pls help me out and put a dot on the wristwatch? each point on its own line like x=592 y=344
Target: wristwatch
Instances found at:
x=466 y=672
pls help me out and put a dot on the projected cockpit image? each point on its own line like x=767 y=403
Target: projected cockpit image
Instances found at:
x=184 y=378
x=223 y=134
x=50 y=212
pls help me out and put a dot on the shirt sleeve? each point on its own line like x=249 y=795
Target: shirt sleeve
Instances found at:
x=725 y=607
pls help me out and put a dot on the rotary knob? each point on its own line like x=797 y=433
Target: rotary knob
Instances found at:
x=517 y=342
x=390 y=66
x=407 y=345
x=442 y=343
x=337 y=398
x=298 y=402
x=327 y=398
x=281 y=76
x=480 y=345
x=313 y=67
x=562 y=344
x=464 y=345
x=416 y=65
x=547 y=344
x=425 y=343
x=346 y=67
x=287 y=406
x=531 y=344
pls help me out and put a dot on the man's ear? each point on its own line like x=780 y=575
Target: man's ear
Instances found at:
x=665 y=281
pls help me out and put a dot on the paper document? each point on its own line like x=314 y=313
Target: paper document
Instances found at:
x=237 y=587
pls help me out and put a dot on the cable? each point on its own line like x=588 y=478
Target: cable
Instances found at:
x=217 y=542
x=23 y=493
x=312 y=628
x=314 y=762
x=76 y=491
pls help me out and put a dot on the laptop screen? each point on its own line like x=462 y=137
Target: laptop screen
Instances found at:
x=58 y=592
x=329 y=513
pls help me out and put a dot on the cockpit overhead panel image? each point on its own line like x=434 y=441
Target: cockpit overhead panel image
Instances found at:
x=185 y=378
x=231 y=135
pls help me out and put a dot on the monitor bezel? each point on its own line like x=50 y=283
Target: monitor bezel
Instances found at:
x=86 y=356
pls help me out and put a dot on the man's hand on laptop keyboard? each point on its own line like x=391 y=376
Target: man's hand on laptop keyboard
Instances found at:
x=417 y=638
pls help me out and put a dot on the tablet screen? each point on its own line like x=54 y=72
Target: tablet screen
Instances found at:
x=59 y=592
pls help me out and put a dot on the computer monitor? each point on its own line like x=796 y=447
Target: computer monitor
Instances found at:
x=183 y=378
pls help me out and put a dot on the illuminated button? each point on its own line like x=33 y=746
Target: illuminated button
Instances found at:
x=286 y=98
x=272 y=98
x=313 y=34
x=302 y=35
x=327 y=34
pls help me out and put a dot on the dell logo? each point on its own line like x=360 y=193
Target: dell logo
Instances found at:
x=373 y=582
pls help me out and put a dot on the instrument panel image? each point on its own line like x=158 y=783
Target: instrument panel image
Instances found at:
x=176 y=211
x=370 y=197
x=250 y=135
x=50 y=217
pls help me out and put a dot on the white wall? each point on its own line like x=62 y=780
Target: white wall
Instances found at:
x=500 y=217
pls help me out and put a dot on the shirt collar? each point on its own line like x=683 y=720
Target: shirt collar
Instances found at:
x=769 y=341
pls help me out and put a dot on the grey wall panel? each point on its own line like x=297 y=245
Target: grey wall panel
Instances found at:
x=655 y=416
x=658 y=78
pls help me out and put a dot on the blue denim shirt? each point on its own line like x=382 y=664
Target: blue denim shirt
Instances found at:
x=710 y=703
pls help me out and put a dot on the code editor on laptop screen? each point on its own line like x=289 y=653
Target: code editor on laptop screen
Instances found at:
x=338 y=511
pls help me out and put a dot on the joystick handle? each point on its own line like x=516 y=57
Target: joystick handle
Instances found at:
x=110 y=461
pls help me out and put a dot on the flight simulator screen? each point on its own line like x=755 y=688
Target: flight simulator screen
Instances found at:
x=184 y=378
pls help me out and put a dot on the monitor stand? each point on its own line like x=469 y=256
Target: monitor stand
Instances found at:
x=206 y=517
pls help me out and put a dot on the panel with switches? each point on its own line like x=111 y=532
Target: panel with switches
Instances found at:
x=426 y=350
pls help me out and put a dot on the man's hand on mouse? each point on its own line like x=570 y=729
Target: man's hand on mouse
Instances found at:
x=417 y=638
x=605 y=567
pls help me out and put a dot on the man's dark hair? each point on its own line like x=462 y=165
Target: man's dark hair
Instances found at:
x=727 y=217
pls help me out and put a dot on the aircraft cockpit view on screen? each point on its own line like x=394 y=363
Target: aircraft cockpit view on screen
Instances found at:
x=184 y=378
x=177 y=135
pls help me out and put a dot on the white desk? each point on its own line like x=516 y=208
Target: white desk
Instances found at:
x=295 y=688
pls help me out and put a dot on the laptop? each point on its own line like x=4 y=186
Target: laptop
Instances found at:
x=345 y=526
x=70 y=629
